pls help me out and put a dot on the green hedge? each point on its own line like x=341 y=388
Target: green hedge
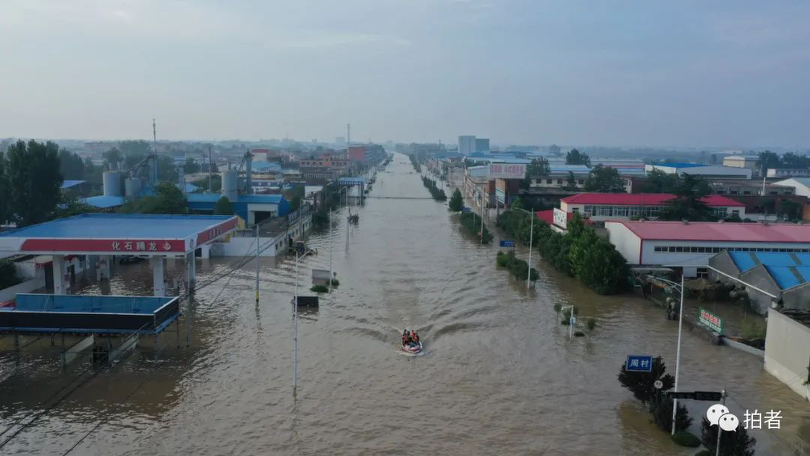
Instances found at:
x=518 y=267
x=472 y=223
x=437 y=193
x=686 y=438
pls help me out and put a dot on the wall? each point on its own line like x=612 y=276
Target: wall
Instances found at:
x=797 y=297
x=787 y=351
x=245 y=246
x=759 y=277
x=28 y=286
x=625 y=241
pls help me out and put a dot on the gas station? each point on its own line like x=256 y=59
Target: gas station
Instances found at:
x=100 y=238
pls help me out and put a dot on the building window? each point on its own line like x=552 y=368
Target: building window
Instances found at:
x=548 y=181
x=621 y=211
x=580 y=181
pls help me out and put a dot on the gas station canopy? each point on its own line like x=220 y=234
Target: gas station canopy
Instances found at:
x=118 y=234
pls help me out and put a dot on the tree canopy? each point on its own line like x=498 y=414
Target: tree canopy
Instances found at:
x=660 y=182
x=71 y=165
x=223 y=206
x=536 y=168
x=768 y=159
x=33 y=175
x=113 y=158
x=191 y=166
x=456 y=201
x=5 y=189
x=688 y=203
x=575 y=157
x=168 y=199
x=604 y=179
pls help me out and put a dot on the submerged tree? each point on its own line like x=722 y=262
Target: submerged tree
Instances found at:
x=604 y=179
x=734 y=443
x=575 y=157
x=456 y=201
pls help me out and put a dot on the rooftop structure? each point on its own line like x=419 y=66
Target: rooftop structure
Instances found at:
x=785 y=275
x=696 y=169
x=783 y=173
x=252 y=208
x=81 y=314
x=801 y=185
x=642 y=199
x=105 y=202
x=120 y=233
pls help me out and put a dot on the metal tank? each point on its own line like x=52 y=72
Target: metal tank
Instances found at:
x=229 y=183
x=132 y=187
x=112 y=183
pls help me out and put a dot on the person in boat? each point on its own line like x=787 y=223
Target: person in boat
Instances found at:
x=414 y=337
x=406 y=338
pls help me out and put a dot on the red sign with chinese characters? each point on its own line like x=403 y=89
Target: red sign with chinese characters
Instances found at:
x=153 y=246
x=216 y=231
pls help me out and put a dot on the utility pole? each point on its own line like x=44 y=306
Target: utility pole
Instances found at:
x=348 y=136
x=330 y=250
x=210 y=168
x=531 y=239
x=257 y=265
x=154 y=152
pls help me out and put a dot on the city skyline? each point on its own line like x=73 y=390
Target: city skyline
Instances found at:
x=688 y=75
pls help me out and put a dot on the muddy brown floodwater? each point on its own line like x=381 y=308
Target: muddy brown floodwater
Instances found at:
x=499 y=376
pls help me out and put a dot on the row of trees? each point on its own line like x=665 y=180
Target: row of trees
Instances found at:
x=789 y=160
x=437 y=193
x=30 y=182
x=579 y=253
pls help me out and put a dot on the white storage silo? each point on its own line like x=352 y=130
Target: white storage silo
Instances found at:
x=112 y=183
x=229 y=182
x=132 y=187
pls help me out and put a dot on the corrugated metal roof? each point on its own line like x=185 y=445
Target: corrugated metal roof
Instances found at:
x=718 y=232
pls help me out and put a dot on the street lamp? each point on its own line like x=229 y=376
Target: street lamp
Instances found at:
x=678 y=350
x=298 y=258
x=531 y=240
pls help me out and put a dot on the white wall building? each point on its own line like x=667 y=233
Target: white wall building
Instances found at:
x=741 y=161
x=693 y=243
x=721 y=172
x=800 y=184
x=788 y=172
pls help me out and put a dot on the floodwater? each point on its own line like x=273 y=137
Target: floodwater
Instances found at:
x=499 y=376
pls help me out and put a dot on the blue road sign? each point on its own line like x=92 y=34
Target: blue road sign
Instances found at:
x=639 y=363
x=466 y=209
x=507 y=243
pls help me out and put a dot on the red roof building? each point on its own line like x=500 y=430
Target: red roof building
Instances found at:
x=619 y=206
x=693 y=243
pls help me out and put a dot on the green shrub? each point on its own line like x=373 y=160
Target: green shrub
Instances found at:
x=8 y=274
x=591 y=324
x=753 y=328
x=320 y=289
x=335 y=283
x=557 y=307
x=686 y=438
x=472 y=223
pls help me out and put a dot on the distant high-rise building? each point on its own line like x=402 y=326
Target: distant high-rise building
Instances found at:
x=340 y=140
x=466 y=144
x=482 y=144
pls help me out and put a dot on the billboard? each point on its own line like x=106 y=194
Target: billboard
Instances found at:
x=507 y=171
x=561 y=218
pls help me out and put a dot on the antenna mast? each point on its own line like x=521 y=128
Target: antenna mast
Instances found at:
x=154 y=153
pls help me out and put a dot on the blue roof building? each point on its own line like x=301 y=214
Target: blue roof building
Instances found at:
x=782 y=274
x=251 y=208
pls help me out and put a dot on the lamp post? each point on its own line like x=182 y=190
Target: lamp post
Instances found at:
x=295 y=321
x=531 y=242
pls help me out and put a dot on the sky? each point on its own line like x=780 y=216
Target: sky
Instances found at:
x=617 y=73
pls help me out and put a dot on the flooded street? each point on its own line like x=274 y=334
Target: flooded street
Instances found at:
x=499 y=376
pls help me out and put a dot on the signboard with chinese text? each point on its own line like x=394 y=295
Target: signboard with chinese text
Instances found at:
x=146 y=246
x=711 y=320
x=639 y=363
x=507 y=243
x=560 y=218
x=507 y=171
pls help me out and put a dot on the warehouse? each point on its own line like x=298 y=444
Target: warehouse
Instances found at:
x=693 y=243
x=253 y=208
